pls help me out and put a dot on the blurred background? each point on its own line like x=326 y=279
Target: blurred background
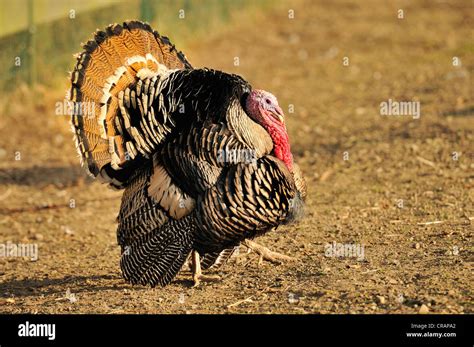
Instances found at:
x=402 y=187
x=42 y=35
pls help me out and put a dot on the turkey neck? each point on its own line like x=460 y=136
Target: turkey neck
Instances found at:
x=248 y=132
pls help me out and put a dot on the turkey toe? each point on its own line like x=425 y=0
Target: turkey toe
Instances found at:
x=266 y=254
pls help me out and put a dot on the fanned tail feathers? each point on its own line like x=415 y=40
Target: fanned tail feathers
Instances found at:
x=115 y=59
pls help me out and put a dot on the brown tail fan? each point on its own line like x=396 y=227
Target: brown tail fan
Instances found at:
x=111 y=62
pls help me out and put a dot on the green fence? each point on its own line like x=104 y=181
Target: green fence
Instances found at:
x=39 y=37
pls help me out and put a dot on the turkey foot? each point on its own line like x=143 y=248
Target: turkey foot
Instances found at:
x=266 y=254
x=197 y=273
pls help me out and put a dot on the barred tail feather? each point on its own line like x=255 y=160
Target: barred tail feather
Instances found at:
x=115 y=59
x=157 y=257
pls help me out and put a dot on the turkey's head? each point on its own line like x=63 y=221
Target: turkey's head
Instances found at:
x=263 y=108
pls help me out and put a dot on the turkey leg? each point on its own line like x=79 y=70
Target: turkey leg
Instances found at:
x=197 y=273
x=266 y=254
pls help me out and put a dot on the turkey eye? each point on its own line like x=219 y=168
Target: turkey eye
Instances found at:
x=267 y=101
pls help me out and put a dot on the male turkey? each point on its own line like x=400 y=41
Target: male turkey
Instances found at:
x=204 y=159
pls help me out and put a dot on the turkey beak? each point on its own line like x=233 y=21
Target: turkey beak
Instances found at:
x=278 y=113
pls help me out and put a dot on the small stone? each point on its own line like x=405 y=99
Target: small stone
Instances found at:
x=67 y=230
x=429 y=194
x=293 y=298
x=70 y=296
x=381 y=300
x=417 y=245
x=38 y=237
x=423 y=309
x=400 y=299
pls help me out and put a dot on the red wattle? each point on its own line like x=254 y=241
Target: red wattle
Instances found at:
x=282 y=150
x=281 y=144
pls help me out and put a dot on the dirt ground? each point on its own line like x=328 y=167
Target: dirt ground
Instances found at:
x=391 y=184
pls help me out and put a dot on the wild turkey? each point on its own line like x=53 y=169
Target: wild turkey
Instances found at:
x=204 y=159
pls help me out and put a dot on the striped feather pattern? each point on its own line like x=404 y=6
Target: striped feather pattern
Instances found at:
x=300 y=182
x=114 y=60
x=239 y=207
x=161 y=130
x=155 y=258
x=215 y=260
x=139 y=213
